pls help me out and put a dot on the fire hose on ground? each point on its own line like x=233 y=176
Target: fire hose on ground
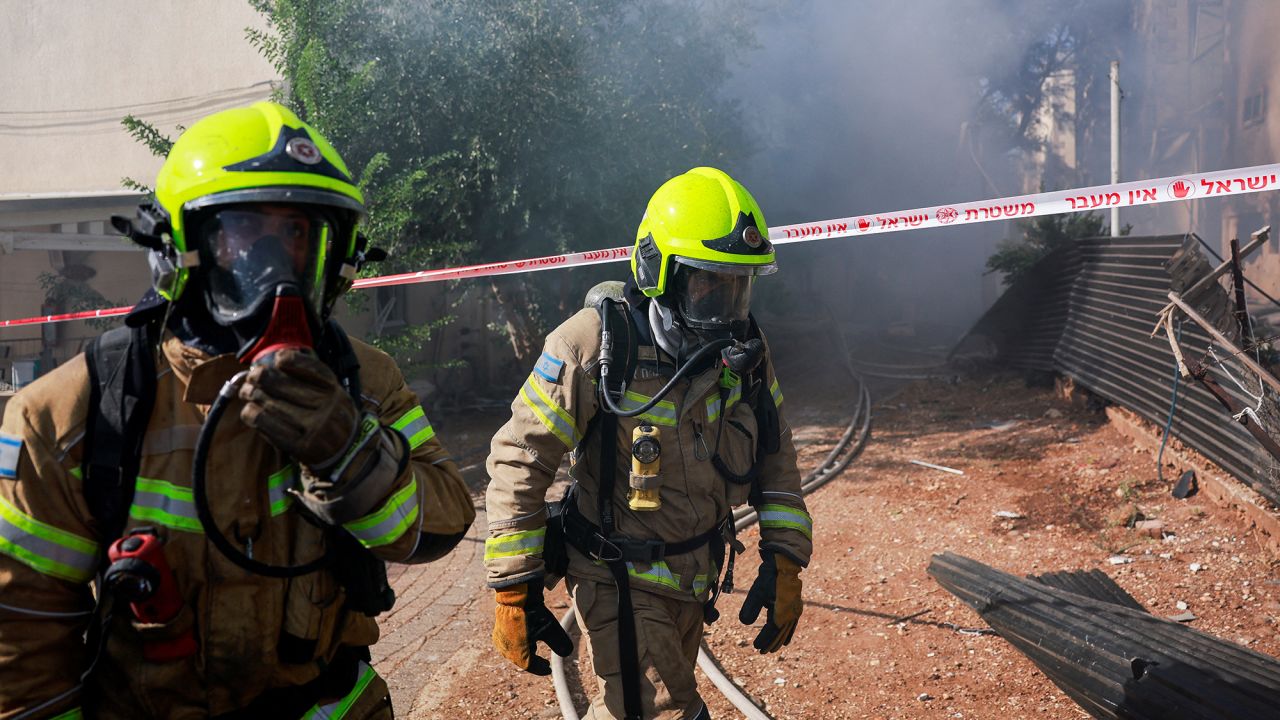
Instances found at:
x=846 y=449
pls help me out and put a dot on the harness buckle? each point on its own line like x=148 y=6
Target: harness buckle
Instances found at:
x=645 y=551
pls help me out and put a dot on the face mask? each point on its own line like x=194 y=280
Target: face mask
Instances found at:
x=712 y=304
x=264 y=270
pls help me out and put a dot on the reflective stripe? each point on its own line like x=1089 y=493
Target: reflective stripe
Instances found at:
x=776 y=392
x=782 y=516
x=338 y=709
x=528 y=542
x=389 y=522
x=659 y=573
x=664 y=413
x=165 y=503
x=415 y=427
x=555 y=418
x=44 y=547
x=72 y=714
x=278 y=489
x=10 y=453
x=700 y=583
x=713 y=402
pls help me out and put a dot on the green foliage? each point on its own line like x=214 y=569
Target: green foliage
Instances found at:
x=147 y=134
x=484 y=130
x=74 y=296
x=405 y=346
x=1041 y=236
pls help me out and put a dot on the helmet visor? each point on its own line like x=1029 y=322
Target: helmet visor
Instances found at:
x=248 y=251
x=712 y=300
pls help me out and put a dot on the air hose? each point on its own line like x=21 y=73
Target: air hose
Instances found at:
x=606 y=352
x=201 y=496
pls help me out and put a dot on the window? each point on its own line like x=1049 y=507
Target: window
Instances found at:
x=1255 y=109
x=389 y=310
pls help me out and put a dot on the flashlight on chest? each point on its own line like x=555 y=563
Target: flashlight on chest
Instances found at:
x=646 y=451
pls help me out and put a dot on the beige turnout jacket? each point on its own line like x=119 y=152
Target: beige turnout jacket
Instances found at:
x=553 y=410
x=50 y=545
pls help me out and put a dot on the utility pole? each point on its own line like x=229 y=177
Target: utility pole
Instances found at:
x=1115 y=141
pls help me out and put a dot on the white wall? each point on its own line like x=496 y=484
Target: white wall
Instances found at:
x=72 y=70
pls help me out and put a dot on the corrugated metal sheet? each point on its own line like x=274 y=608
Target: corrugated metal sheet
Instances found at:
x=1090 y=583
x=1103 y=325
x=1113 y=660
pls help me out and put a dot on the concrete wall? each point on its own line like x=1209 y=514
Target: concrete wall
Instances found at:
x=73 y=70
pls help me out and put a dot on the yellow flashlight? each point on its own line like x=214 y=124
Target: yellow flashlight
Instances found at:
x=645 y=452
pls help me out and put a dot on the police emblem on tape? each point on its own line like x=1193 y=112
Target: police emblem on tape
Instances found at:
x=549 y=368
x=10 y=451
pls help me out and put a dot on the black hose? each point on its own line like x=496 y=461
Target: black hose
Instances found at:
x=713 y=346
x=201 y=497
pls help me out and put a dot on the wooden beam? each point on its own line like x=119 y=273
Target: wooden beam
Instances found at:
x=1226 y=344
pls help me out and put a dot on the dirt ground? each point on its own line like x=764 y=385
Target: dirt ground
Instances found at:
x=1073 y=479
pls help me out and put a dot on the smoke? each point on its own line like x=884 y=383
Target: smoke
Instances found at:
x=869 y=108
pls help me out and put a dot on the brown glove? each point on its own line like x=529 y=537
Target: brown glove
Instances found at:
x=296 y=402
x=777 y=588
x=520 y=621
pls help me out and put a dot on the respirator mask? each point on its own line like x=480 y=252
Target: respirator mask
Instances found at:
x=264 y=271
x=713 y=304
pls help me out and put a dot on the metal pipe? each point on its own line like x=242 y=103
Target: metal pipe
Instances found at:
x=1115 y=140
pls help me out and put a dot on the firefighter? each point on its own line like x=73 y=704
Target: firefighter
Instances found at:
x=665 y=394
x=240 y=562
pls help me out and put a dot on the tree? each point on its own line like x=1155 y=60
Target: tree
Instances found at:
x=1077 y=36
x=1041 y=236
x=484 y=130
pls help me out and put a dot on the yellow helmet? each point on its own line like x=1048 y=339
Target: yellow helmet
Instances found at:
x=258 y=154
x=703 y=219
x=700 y=245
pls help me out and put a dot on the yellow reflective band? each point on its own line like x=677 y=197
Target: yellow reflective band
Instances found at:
x=163 y=502
x=555 y=418
x=415 y=427
x=713 y=402
x=389 y=522
x=278 y=485
x=45 y=548
x=338 y=709
x=776 y=392
x=700 y=583
x=72 y=714
x=528 y=542
x=664 y=413
x=782 y=516
x=659 y=573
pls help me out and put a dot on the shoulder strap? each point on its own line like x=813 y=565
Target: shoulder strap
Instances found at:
x=122 y=393
x=623 y=346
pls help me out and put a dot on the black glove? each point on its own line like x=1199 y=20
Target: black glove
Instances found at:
x=520 y=621
x=777 y=588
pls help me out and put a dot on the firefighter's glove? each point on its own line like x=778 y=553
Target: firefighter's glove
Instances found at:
x=521 y=621
x=296 y=402
x=776 y=588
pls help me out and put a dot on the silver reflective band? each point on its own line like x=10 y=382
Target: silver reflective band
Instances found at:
x=45 y=548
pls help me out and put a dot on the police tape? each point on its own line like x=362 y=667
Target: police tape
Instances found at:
x=1195 y=186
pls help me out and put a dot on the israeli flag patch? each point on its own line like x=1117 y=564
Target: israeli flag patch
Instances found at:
x=10 y=450
x=549 y=368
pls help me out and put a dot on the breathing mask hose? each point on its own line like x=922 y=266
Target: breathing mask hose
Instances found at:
x=606 y=359
x=201 y=497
